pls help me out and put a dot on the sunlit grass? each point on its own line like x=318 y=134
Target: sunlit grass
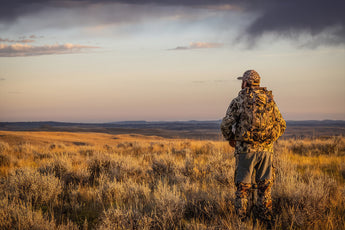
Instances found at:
x=100 y=181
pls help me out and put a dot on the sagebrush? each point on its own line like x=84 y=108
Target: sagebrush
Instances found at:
x=101 y=181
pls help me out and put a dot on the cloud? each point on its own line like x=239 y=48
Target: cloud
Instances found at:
x=199 y=45
x=26 y=41
x=219 y=81
x=82 y=15
x=6 y=40
x=223 y=7
x=280 y=17
x=16 y=41
x=20 y=50
x=202 y=45
x=297 y=17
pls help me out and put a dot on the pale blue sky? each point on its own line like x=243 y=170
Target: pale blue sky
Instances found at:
x=111 y=62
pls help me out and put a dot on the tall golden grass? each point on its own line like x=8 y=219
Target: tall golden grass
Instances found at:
x=55 y=180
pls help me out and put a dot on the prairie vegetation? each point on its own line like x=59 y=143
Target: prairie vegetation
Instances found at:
x=60 y=180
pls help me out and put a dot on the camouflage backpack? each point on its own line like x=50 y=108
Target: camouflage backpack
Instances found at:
x=257 y=122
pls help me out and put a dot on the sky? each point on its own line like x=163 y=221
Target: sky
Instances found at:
x=165 y=60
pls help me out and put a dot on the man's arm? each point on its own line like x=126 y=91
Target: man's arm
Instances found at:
x=229 y=121
x=280 y=122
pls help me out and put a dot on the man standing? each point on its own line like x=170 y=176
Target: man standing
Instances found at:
x=252 y=124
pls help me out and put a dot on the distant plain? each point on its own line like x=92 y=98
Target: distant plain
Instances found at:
x=203 y=130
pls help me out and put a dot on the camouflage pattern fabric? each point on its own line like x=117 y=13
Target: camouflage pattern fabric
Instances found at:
x=241 y=200
x=244 y=147
x=253 y=117
x=264 y=202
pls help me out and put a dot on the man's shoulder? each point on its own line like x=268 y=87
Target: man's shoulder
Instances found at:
x=259 y=90
x=243 y=95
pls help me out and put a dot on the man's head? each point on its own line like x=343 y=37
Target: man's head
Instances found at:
x=250 y=78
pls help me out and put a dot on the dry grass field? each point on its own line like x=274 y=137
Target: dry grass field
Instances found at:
x=60 y=180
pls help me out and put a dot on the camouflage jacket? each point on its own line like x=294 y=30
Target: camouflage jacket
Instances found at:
x=231 y=121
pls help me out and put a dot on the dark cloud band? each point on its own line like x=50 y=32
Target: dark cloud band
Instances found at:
x=274 y=16
x=291 y=17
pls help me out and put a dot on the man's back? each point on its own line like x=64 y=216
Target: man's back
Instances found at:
x=253 y=117
x=257 y=118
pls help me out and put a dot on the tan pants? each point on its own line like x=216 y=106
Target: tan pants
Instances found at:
x=247 y=162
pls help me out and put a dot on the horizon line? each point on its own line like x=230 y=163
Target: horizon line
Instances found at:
x=154 y=121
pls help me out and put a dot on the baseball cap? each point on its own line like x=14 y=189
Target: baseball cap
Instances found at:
x=251 y=76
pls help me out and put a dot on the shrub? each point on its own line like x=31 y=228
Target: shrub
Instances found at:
x=22 y=216
x=163 y=169
x=332 y=146
x=62 y=169
x=87 y=152
x=200 y=204
x=30 y=186
x=5 y=160
x=120 y=168
x=41 y=155
x=207 y=148
x=125 y=195
x=58 y=167
x=97 y=165
x=116 y=218
x=169 y=206
x=4 y=147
